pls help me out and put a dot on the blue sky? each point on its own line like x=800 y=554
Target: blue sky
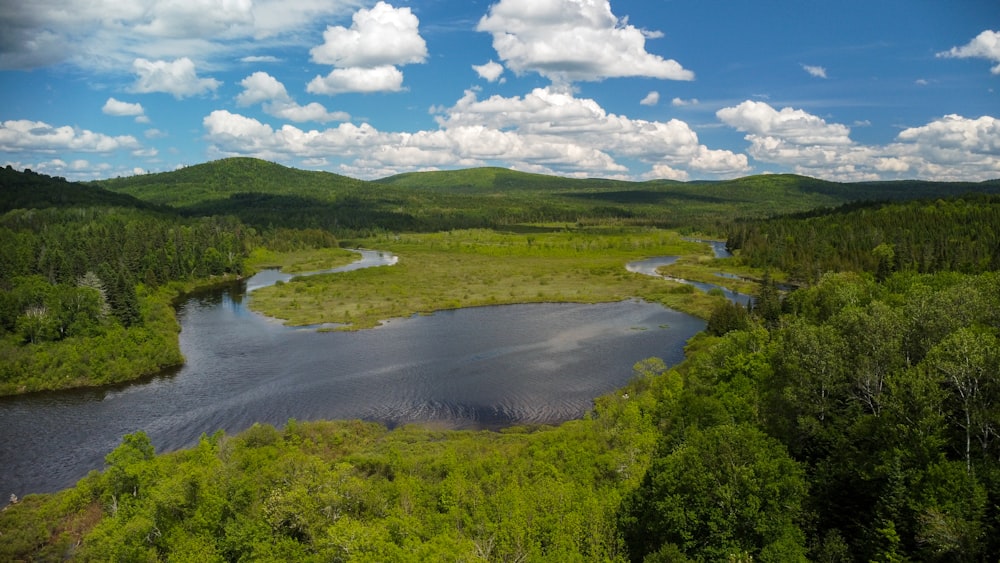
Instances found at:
x=630 y=89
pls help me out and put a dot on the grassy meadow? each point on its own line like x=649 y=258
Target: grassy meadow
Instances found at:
x=301 y=261
x=472 y=268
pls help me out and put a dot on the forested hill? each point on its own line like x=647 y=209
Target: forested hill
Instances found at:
x=30 y=190
x=222 y=178
x=264 y=193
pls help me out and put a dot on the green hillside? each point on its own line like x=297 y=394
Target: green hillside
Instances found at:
x=222 y=178
x=263 y=193
x=29 y=190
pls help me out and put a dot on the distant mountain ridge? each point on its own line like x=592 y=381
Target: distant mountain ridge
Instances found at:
x=250 y=175
x=265 y=193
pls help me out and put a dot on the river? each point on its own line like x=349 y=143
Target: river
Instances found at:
x=485 y=367
x=651 y=266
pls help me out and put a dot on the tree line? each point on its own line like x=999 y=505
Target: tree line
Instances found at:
x=69 y=270
x=959 y=234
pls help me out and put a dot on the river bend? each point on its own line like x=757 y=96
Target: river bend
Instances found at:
x=485 y=367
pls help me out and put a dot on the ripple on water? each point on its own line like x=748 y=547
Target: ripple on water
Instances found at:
x=485 y=367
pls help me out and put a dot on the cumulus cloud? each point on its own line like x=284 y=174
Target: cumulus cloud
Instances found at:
x=355 y=79
x=262 y=88
x=76 y=169
x=950 y=148
x=762 y=121
x=310 y=112
x=651 y=99
x=177 y=78
x=817 y=71
x=383 y=35
x=36 y=136
x=119 y=108
x=986 y=45
x=366 y=55
x=678 y=102
x=666 y=172
x=548 y=130
x=490 y=71
x=953 y=132
x=573 y=40
x=110 y=34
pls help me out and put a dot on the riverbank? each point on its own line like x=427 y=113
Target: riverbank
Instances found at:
x=118 y=355
x=436 y=272
x=130 y=354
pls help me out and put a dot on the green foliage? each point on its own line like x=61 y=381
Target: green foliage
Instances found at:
x=728 y=316
x=813 y=439
x=959 y=234
x=265 y=194
x=725 y=492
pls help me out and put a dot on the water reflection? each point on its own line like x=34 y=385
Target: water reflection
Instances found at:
x=484 y=367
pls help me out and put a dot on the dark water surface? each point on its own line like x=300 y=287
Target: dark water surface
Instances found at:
x=485 y=367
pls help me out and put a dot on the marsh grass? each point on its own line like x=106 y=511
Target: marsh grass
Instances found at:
x=301 y=261
x=474 y=268
x=704 y=268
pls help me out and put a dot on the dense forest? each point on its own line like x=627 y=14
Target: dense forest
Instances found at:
x=854 y=418
x=959 y=234
x=88 y=277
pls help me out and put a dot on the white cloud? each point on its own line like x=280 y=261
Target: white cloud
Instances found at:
x=365 y=56
x=816 y=71
x=118 y=108
x=110 y=34
x=177 y=78
x=261 y=87
x=761 y=120
x=665 y=172
x=678 y=102
x=573 y=40
x=197 y=18
x=953 y=132
x=381 y=36
x=950 y=148
x=260 y=59
x=310 y=112
x=78 y=169
x=37 y=136
x=355 y=79
x=490 y=71
x=651 y=99
x=546 y=131
x=986 y=45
